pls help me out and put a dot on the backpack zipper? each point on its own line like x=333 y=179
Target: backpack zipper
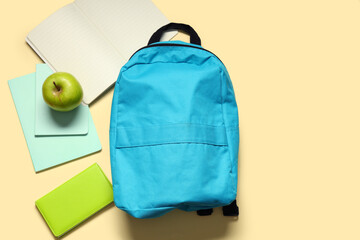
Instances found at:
x=176 y=45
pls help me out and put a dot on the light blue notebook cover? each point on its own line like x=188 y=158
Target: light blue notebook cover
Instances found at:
x=53 y=123
x=48 y=151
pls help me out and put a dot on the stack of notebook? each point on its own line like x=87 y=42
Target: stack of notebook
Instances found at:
x=52 y=137
x=91 y=40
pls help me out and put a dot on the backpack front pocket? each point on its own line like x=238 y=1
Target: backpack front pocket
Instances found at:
x=171 y=166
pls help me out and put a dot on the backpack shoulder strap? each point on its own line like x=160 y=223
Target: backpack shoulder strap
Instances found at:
x=231 y=210
x=204 y=212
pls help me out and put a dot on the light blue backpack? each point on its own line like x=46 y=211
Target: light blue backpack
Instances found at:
x=174 y=131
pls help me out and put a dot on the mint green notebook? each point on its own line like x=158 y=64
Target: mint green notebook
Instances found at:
x=75 y=200
x=50 y=122
x=48 y=151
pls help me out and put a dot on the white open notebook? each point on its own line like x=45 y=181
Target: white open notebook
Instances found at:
x=93 y=39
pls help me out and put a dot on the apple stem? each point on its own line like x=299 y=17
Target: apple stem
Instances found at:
x=56 y=86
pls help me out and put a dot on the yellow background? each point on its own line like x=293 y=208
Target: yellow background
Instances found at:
x=295 y=66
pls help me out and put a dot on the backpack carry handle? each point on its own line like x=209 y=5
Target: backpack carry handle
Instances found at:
x=194 y=37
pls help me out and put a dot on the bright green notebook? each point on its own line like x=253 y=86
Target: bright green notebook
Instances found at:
x=75 y=200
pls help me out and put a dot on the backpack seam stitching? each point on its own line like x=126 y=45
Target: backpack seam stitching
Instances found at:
x=135 y=64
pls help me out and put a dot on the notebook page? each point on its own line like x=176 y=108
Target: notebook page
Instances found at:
x=127 y=24
x=70 y=43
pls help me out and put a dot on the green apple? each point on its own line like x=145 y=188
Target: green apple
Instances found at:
x=62 y=92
